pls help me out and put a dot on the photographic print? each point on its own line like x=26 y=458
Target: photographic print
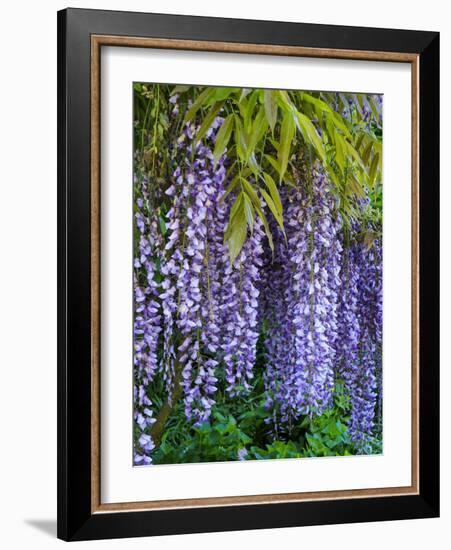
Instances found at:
x=257 y=274
x=247 y=221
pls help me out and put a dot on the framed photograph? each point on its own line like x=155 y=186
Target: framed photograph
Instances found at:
x=248 y=274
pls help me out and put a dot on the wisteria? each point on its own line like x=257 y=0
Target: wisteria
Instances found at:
x=257 y=297
x=239 y=313
x=210 y=306
x=366 y=374
x=147 y=325
x=190 y=301
x=303 y=334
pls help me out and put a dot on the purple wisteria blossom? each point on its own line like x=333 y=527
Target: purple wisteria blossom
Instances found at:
x=210 y=307
x=359 y=353
x=190 y=300
x=304 y=303
x=239 y=312
x=147 y=325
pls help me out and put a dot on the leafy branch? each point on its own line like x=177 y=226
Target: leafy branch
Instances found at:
x=262 y=132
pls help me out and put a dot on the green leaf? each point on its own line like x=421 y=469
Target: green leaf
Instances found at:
x=359 y=141
x=337 y=119
x=373 y=169
x=373 y=108
x=163 y=227
x=253 y=165
x=273 y=208
x=286 y=138
x=219 y=94
x=366 y=152
x=353 y=153
x=244 y=93
x=236 y=206
x=208 y=120
x=285 y=101
x=368 y=239
x=250 y=190
x=256 y=202
x=179 y=89
x=274 y=163
x=240 y=139
x=339 y=152
x=230 y=188
x=270 y=105
x=249 y=212
x=311 y=135
x=247 y=110
x=237 y=228
x=273 y=192
x=245 y=173
x=331 y=131
x=258 y=130
x=355 y=186
x=201 y=99
x=222 y=138
x=340 y=123
x=316 y=101
x=237 y=236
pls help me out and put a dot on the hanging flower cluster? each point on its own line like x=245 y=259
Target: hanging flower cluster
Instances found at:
x=146 y=326
x=303 y=306
x=189 y=299
x=361 y=339
x=239 y=312
x=209 y=306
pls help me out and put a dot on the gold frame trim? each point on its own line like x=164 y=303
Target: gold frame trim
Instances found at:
x=97 y=41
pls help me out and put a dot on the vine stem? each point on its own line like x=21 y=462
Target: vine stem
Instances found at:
x=157 y=429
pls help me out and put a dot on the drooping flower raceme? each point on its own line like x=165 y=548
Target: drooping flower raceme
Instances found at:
x=147 y=324
x=363 y=393
x=210 y=307
x=359 y=351
x=239 y=312
x=303 y=331
x=189 y=303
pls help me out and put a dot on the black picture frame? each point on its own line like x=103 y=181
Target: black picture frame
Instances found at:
x=76 y=521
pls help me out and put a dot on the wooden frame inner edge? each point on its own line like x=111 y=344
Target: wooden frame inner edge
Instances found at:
x=107 y=40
